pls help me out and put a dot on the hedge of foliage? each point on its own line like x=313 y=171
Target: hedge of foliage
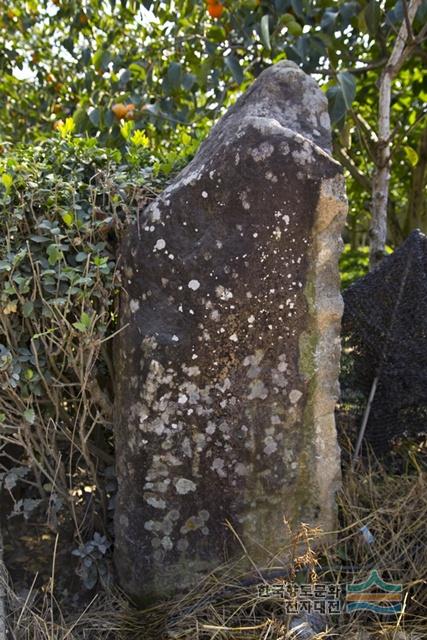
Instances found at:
x=63 y=203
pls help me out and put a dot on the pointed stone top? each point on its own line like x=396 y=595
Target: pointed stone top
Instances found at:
x=285 y=94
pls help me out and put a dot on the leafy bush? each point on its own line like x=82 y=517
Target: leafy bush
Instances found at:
x=63 y=203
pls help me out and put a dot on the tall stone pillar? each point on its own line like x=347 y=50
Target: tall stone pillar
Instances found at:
x=227 y=359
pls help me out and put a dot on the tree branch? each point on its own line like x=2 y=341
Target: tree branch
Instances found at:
x=351 y=167
x=381 y=176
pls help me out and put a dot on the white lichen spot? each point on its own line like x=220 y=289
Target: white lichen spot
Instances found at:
x=245 y=200
x=223 y=293
x=294 y=396
x=184 y=486
x=257 y=389
x=193 y=371
x=234 y=338
x=324 y=120
x=218 y=466
x=262 y=152
x=175 y=338
x=134 y=306
x=155 y=212
x=160 y=244
x=156 y=502
x=282 y=366
x=284 y=148
x=270 y=176
x=182 y=398
x=270 y=445
x=182 y=544
x=194 y=285
x=241 y=469
x=210 y=429
x=204 y=194
x=167 y=543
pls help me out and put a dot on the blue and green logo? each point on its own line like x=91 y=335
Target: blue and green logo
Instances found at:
x=374 y=595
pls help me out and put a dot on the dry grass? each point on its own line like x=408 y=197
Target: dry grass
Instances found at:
x=227 y=605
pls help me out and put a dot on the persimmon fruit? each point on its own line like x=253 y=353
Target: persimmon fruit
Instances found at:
x=122 y=111
x=216 y=9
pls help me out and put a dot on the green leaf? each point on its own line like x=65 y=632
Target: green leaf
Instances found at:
x=373 y=16
x=297 y=7
x=27 y=309
x=95 y=116
x=80 y=118
x=84 y=323
x=265 y=31
x=67 y=128
x=347 y=83
x=234 y=66
x=29 y=415
x=337 y=106
x=28 y=374
x=188 y=81
x=173 y=75
x=411 y=155
x=294 y=28
x=54 y=254
x=68 y=218
x=7 y=181
x=126 y=129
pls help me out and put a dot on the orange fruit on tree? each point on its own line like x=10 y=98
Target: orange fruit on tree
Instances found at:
x=130 y=115
x=121 y=110
x=215 y=10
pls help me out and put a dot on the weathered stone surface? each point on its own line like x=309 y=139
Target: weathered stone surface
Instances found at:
x=227 y=359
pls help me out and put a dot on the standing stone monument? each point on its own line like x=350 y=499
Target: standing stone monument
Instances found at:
x=227 y=358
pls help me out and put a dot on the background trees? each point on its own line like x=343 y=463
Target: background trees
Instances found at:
x=178 y=66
